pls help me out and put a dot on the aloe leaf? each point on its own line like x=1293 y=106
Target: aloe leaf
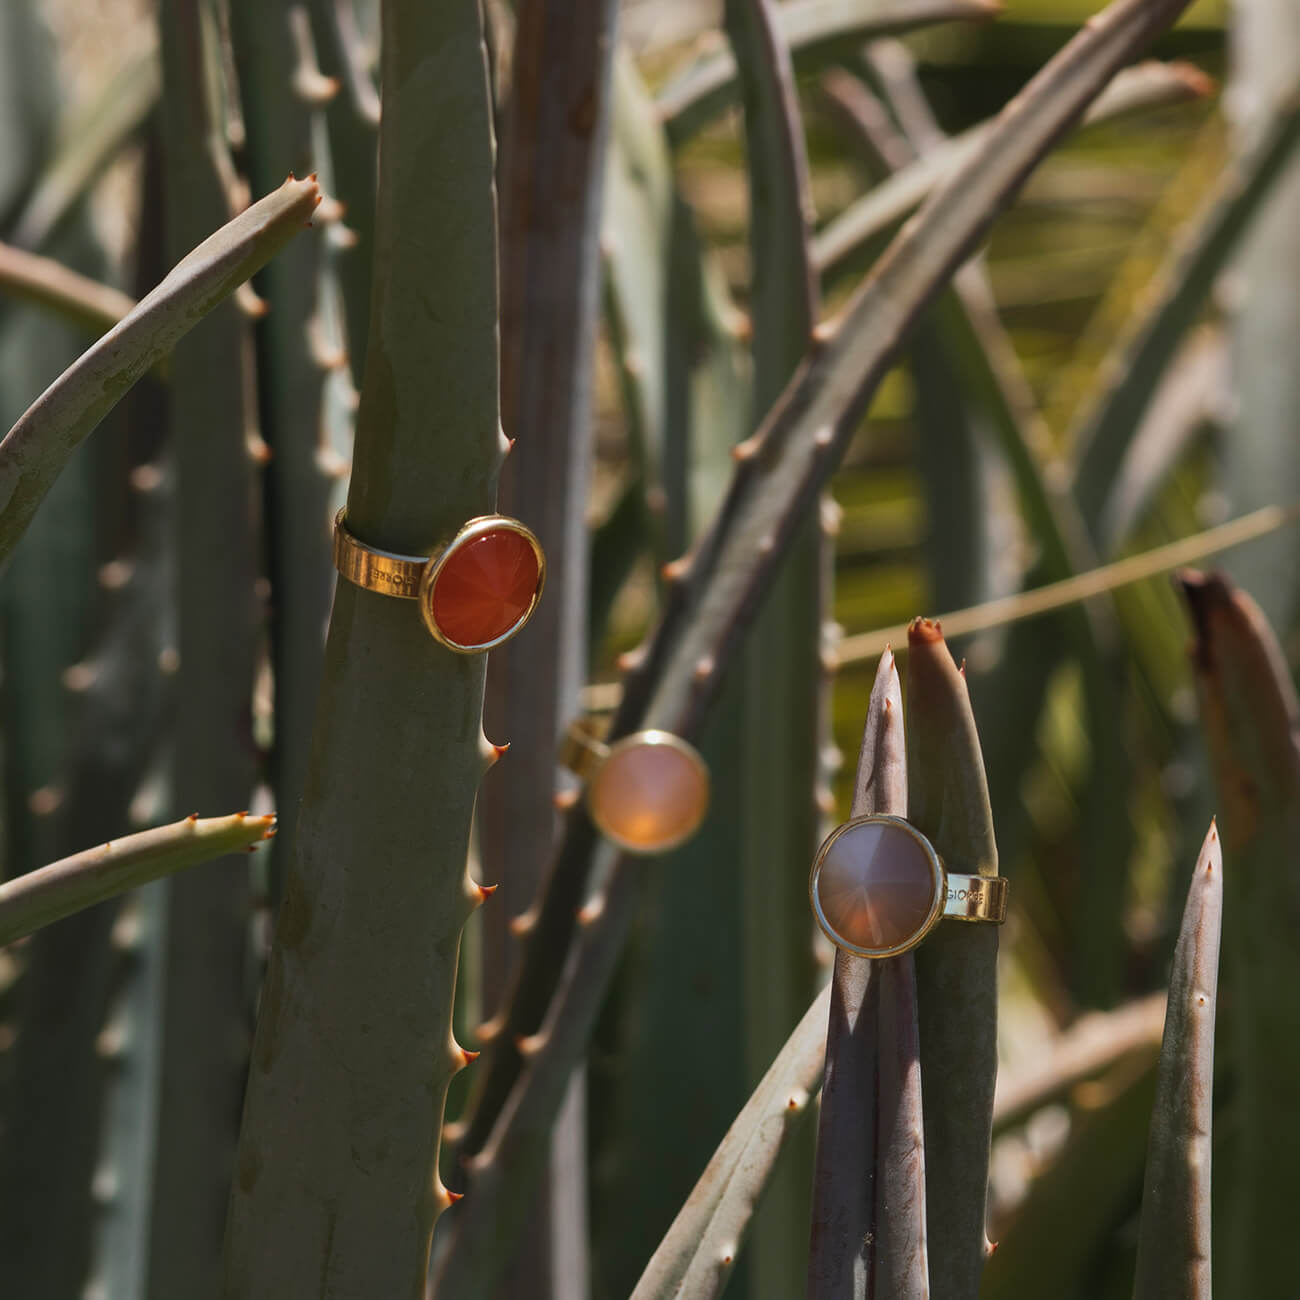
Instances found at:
x=1135 y=367
x=212 y=408
x=49 y=601
x=39 y=444
x=695 y=1258
x=85 y=302
x=353 y=1051
x=843 y=241
x=780 y=471
x=1251 y=718
x=28 y=102
x=1174 y=1243
x=956 y=968
x=639 y=220
x=1259 y=460
x=868 y=1217
x=617 y=542
x=50 y=893
x=684 y=993
x=352 y=119
x=279 y=84
x=816 y=32
x=551 y=183
x=779 y=759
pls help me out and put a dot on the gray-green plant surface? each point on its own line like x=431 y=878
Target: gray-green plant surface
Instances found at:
x=652 y=320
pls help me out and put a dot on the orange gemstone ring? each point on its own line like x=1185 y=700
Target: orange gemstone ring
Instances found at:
x=647 y=792
x=474 y=593
x=878 y=887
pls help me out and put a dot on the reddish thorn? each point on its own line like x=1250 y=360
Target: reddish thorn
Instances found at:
x=453 y=1197
x=469 y=1057
x=486 y=891
x=498 y=750
x=193 y=817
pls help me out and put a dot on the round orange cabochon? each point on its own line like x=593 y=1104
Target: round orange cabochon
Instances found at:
x=485 y=587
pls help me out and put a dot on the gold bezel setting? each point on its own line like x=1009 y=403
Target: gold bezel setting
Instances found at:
x=587 y=756
x=938 y=877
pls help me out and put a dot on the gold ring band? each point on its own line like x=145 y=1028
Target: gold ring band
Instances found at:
x=489 y=601
x=375 y=570
x=975 y=898
x=581 y=751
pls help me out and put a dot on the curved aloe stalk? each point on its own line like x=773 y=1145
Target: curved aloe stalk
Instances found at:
x=956 y=968
x=816 y=32
x=50 y=893
x=844 y=240
x=869 y=1213
x=1251 y=719
x=38 y=446
x=85 y=302
x=337 y=1166
x=696 y=1256
x=1174 y=1245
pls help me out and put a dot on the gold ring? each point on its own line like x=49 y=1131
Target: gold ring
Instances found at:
x=878 y=887
x=474 y=593
x=647 y=792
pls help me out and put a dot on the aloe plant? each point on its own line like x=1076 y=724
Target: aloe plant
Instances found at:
x=677 y=349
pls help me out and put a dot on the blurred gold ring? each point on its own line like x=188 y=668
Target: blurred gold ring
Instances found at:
x=474 y=593
x=877 y=888
x=647 y=792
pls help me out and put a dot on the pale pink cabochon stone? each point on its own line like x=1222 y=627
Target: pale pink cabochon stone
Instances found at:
x=876 y=886
x=649 y=796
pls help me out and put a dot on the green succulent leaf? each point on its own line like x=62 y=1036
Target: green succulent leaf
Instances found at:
x=50 y=893
x=1174 y=1244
